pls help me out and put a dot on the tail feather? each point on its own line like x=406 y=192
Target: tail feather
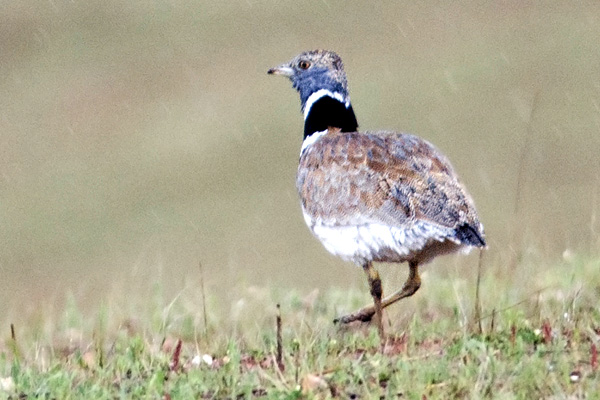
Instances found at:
x=470 y=235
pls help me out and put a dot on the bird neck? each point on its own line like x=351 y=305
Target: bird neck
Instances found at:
x=325 y=109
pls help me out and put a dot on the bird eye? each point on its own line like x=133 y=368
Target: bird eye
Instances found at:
x=303 y=64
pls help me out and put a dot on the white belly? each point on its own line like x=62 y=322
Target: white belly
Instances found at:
x=378 y=242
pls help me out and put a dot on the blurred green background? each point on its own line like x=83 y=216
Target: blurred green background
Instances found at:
x=138 y=139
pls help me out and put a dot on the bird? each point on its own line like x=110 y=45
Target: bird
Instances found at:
x=373 y=196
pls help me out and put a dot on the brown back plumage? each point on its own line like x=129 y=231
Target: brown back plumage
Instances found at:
x=379 y=177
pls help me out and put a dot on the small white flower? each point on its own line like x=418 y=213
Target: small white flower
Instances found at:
x=7 y=384
x=207 y=358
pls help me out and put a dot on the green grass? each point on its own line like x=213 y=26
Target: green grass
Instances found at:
x=537 y=336
x=142 y=137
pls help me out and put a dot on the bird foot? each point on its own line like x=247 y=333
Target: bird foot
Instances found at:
x=364 y=315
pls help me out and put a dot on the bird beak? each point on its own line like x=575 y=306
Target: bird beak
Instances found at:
x=283 y=69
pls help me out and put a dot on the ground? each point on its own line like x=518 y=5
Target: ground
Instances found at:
x=533 y=340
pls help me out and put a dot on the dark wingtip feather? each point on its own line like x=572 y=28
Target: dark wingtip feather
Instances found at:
x=470 y=236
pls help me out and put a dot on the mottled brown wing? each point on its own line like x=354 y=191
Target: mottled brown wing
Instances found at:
x=389 y=178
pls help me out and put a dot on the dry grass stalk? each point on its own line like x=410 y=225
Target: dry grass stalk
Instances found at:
x=176 y=356
x=279 y=341
x=517 y=234
x=477 y=317
x=203 y=293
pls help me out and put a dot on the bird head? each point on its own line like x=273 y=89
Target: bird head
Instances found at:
x=316 y=72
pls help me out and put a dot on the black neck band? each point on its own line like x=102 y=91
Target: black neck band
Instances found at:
x=328 y=112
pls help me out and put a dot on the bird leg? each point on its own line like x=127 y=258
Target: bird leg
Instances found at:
x=377 y=293
x=365 y=314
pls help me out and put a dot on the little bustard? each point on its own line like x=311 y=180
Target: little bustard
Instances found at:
x=373 y=196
